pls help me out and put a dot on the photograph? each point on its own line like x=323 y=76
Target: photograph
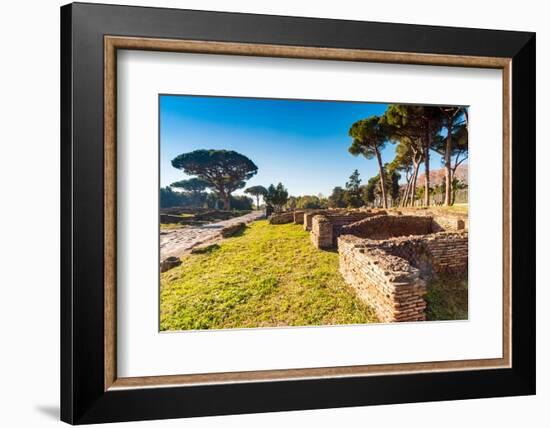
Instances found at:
x=293 y=212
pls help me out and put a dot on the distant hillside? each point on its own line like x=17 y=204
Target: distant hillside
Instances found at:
x=437 y=176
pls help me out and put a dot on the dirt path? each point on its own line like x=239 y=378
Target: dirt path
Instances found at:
x=178 y=242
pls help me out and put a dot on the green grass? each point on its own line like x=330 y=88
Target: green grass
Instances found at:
x=269 y=276
x=458 y=208
x=170 y=226
x=447 y=298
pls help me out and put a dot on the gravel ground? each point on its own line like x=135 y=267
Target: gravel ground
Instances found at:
x=178 y=242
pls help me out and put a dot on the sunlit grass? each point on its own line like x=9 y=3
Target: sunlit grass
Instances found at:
x=269 y=276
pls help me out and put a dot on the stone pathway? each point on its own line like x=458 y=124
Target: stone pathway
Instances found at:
x=178 y=242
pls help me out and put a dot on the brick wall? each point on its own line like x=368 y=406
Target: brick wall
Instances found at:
x=321 y=232
x=390 y=274
x=443 y=252
x=282 y=218
x=441 y=221
x=170 y=219
x=389 y=284
x=299 y=216
x=326 y=228
x=308 y=217
x=384 y=226
x=448 y=252
x=449 y=222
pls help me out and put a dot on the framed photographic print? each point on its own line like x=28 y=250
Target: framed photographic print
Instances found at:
x=266 y=213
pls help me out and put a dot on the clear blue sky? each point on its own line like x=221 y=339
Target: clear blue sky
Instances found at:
x=302 y=144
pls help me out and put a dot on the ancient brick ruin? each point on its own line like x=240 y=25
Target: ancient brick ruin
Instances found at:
x=282 y=218
x=389 y=284
x=387 y=257
x=326 y=227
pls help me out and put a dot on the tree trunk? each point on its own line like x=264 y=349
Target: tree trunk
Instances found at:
x=406 y=193
x=382 y=178
x=257 y=202
x=413 y=192
x=409 y=176
x=453 y=192
x=226 y=201
x=405 y=198
x=427 y=145
x=448 y=147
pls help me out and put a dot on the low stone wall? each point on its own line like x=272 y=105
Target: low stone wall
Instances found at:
x=228 y=231
x=308 y=217
x=376 y=269
x=326 y=228
x=441 y=220
x=321 y=232
x=170 y=219
x=442 y=252
x=386 y=226
x=182 y=210
x=389 y=284
x=282 y=218
x=169 y=263
x=214 y=215
x=299 y=216
x=448 y=251
x=449 y=222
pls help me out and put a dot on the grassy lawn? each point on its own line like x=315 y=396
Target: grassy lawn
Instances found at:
x=170 y=226
x=447 y=298
x=458 y=208
x=269 y=276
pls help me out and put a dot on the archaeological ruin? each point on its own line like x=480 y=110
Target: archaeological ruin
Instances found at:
x=388 y=257
x=325 y=228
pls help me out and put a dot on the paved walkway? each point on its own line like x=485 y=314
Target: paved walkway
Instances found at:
x=178 y=242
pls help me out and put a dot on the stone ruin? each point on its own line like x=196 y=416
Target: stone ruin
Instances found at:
x=387 y=257
x=282 y=218
x=325 y=228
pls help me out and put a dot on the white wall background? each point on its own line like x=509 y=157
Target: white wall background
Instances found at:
x=29 y=214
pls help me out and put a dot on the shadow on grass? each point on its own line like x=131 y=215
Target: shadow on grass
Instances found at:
x=447 y=298
x=239 y=232
x=206 y=249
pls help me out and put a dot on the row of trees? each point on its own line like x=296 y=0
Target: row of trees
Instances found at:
x=355 y=194
x=275 y=197
x=170 y=198
x=416 y=130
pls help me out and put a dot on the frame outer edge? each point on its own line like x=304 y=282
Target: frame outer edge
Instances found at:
x=82 y=402
x=507 y=175
x=524 y=216
x=67 y=392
